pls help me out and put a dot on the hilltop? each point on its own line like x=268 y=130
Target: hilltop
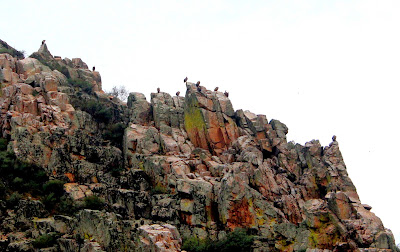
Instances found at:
x=82 y=170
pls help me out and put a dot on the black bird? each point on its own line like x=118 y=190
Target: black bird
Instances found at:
x=334 y=138
x=158 y=90
x=94 y=68
x=226 y=94
x=43 y=41
x=198 y=84
x=216 y=89
x=185 y=80
x=177 y=93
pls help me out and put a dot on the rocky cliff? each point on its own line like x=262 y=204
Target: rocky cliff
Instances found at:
x=151 y=176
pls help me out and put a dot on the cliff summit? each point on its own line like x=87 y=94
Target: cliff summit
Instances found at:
x=83 y=171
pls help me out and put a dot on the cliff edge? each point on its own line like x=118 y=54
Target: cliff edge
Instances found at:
x=164 y=174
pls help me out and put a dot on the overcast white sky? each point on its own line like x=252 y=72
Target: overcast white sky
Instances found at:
x=321 y=67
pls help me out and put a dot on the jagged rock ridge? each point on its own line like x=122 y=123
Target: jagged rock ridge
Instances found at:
x=183 y=167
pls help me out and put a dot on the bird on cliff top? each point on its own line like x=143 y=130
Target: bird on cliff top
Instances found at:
x=197 y=83
x=43 y=41
x=94 y=68
x=177 y=93
x=216 y=89
x=185 y=80
x=158 y=90
x=334 y=138
x=226 y=94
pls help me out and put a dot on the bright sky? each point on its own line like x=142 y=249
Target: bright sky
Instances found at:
x=321 y=67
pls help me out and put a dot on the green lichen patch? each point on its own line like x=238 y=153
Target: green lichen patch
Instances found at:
x=195 y=123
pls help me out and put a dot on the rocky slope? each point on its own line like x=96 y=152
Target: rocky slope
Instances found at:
x=148 y=176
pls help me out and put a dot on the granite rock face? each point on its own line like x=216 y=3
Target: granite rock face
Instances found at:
x=175 y=167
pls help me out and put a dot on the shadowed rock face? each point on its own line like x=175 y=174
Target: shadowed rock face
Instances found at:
x=187 y=166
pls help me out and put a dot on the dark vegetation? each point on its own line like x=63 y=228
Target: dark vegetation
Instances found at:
x=93 y=202
x=104 y=115
x=82 y=84
x=115 y=134
x=46 y=240
x=17 y=176
x=5 y=48
x=100 y=112
x=19 y=179
x=238 y=241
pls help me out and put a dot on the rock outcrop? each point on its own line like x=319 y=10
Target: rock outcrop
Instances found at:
x=156 y=173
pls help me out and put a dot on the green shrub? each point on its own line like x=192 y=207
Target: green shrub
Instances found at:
x=18 y=182
x=100 y=112
x=84 y=85
x=237 y=240
x=5 y=50
x=20 y=176
x=13 y=52
x=49 y=202
x=66 y=206
x=115 y=134
x=159 y=189
x=3 y=190
x=194 y=244
x=13 y=199
x=54 y=186
x=93 y=202
x=3 y=144
x=45 y=240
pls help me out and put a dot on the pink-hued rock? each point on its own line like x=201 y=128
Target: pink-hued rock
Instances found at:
x=192 y=161
x=159 y=238
x=76 y=191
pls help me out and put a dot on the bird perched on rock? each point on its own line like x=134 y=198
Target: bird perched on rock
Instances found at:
x=43 y=41
x=216 y=89
x=158 y=90
x=226 y=94
x=197 y=83
x=334 y=138
x=94 y=68
x=185 y=80
x=177 y=93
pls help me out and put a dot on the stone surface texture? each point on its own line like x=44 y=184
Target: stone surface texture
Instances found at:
x=187 y=166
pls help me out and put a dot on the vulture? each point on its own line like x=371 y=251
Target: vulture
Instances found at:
x=216 y=89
